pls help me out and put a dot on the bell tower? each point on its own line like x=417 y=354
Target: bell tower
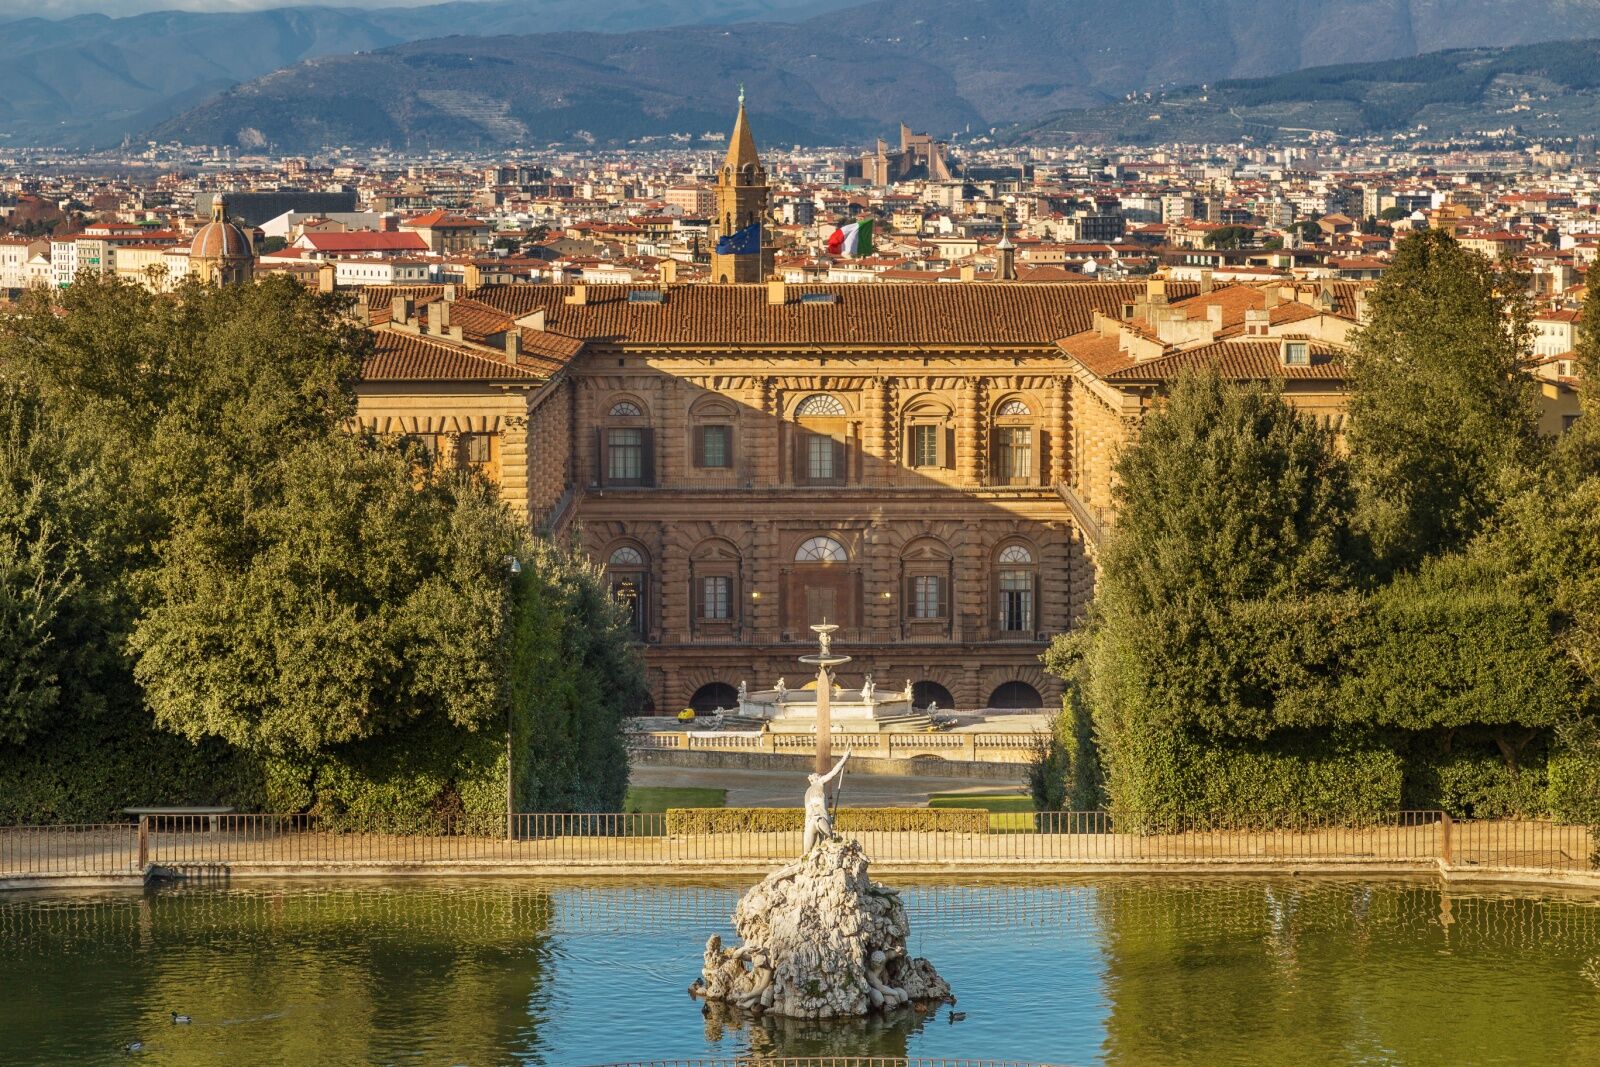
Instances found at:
x=741 y=201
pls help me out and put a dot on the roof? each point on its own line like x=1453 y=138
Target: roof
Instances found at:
x=440 y=219
x=742 y=145
x=1002 y=314
x=220 y=240
x=1239 y=359
x=404 y=357
x=364 y=241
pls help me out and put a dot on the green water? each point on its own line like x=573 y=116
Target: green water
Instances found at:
x=1124 y=971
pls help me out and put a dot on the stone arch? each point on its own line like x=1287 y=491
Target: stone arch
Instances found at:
x=626 y=406
x=927 y=692
x=821 y=405
x=714 y=695
x=821 y=548
x=1016 y=694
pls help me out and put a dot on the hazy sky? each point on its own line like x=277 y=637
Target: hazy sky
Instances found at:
x=63 y=8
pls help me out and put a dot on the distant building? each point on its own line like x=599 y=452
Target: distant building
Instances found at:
x=918 y=157
x=255 y=208
x=221 y=251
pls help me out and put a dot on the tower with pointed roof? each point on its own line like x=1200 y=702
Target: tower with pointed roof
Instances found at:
x=741 y=200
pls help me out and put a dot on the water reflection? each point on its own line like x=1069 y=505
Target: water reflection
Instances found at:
x=1120 y=971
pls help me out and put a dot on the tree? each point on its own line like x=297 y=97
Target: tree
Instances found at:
x=1439 y=408
x=1228 y=237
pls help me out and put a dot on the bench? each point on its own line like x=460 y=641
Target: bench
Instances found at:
x=213 y=812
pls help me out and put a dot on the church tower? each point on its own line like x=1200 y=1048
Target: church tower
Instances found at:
x=741 y=201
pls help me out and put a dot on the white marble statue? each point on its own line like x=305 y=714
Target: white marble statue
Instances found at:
x=744 y=691
x=780 y=689
x=908 y=690
x=819 y=823
x=867 y=691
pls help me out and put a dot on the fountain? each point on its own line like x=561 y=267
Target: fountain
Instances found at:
x=821 y=939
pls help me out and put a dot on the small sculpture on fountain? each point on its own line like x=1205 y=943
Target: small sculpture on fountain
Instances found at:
x=780 y=689
x=819 y=821
x=908 y=690
x=867 y=691
x=744 y=691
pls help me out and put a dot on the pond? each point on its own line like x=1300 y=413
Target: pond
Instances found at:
x=1124 y=971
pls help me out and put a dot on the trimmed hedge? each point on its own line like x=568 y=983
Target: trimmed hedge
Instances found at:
x=1574 y=790
x=1472 y=781
x=855 y=820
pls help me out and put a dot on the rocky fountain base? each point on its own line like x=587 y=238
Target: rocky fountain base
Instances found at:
x=821 y=940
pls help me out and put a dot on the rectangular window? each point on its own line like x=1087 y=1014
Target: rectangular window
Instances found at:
x=716 y=597
x=925 y=446
x=1296 y=354
x=1014 y=455
x=928 y=597
x=819 y=459
x=1016 y=601
x=625 y=456
x=475 y=448
x=715 y=446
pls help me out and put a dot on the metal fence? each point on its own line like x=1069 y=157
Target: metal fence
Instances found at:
x=1021 y=842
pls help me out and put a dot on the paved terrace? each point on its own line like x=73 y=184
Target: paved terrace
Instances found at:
x=568 y=845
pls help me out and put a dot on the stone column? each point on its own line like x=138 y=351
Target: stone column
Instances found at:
x=1060 y=431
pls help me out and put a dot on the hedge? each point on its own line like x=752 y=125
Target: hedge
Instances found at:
x=855 y=820
x=1472 y=781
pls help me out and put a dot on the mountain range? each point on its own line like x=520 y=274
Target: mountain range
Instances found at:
x=817 y=71
x=1545 y=90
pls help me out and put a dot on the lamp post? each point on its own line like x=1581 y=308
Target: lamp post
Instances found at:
x=514 y=567
x=822 y=659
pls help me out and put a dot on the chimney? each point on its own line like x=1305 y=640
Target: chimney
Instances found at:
x=326 y=275
x=471 y=278
x=449 y=293
x=1155 y=291
x=400 y=310
x=513 y=345
x=1205 y=281
x=669 y=272
x=579 y=295
x=388 y=223
x=969 y=273
x=1272 y=297
x=1256 y=322
x=441 y=316
x=777 y=293
x=1214 y=317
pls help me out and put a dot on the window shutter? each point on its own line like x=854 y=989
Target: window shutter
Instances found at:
x=908 y=608
x=1040 y=464
x=841 y=454
x=1034 y=623
x=600 y=457
x=908 y=454
x=697 y=593
x=727 y=437
x=801 y=471
x=647 y=471
x=943 y=587
x=698 y=446
x=943 y=436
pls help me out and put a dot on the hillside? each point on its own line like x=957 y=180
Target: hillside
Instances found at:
x=93 y=79
x=1540 y=90
x=843 y=75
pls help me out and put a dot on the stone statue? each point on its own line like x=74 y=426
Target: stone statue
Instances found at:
x=908 y=690
x=819 y=823
x=825 y=643
x=744 y=691
x=867 y=691
x=933 y=708
x=780 y=689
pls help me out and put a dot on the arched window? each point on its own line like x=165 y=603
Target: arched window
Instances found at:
x=1018 y=445
x=1016 y=589
x=820 y=405
x=628 y=577
x=1016 y=695
x=625 y=448
x=821 y=550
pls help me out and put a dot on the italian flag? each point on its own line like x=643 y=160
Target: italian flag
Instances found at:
x=851 y=239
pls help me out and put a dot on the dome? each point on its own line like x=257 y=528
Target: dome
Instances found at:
x=220 y=239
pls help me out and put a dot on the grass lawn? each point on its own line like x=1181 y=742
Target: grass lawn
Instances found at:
x=652 y=798
x=1011 y=812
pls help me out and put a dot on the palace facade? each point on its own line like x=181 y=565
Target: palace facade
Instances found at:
x=926 y=465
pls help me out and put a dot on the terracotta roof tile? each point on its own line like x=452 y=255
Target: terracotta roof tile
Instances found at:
x=1005 y=314
x=403 y=357
x=1240 y=360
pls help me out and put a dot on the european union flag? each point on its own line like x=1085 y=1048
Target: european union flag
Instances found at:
x=745 y=242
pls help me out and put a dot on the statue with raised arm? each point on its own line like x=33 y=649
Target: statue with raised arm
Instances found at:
x=819 y=824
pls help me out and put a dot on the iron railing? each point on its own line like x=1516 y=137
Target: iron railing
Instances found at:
x=1015 y=747
x=755 y=1059
x=1022 y=842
